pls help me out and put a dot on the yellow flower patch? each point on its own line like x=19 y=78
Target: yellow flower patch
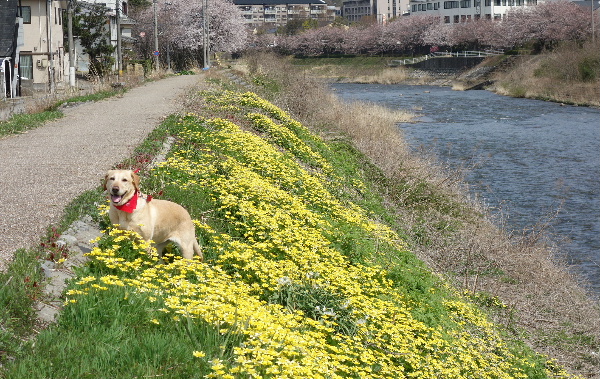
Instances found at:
x=303 y=299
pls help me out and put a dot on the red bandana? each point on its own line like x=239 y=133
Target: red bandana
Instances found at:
x=129 y=206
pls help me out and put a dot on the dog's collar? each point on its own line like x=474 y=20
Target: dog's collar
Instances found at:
x=131 y=205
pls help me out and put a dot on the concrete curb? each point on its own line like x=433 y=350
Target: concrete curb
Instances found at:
x=77 y=238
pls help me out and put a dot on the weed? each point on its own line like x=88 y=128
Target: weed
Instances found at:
x=20 y=123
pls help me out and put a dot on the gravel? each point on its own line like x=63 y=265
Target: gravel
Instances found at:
x=43 y=170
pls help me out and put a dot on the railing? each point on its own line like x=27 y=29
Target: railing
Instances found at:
x=443 y=54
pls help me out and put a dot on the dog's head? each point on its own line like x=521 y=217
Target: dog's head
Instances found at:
x=121 y=185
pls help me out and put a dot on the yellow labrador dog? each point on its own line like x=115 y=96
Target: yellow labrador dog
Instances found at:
x=158 y=220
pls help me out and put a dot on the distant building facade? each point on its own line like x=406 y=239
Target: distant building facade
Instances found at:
x=380 y=10
x=269 y=14
x=458 y=11
x=42 y=55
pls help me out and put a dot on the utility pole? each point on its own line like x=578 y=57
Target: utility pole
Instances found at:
x=205 y=34
x=70 y=10
x=156 y=52
x=119 y=51
x=593 y=26
x=49 y=12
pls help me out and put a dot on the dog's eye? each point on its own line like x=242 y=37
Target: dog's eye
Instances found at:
x=124 y=179
x=111 y=178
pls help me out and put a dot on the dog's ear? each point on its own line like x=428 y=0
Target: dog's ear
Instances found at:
x=136 y=180
x=106 y=180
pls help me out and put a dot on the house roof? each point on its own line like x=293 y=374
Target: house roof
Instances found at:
x=277 y=2
x=8 y=16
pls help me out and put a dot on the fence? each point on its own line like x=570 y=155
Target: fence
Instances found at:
x=443 y=54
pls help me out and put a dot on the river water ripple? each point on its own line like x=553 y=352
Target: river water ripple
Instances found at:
x=529 y=159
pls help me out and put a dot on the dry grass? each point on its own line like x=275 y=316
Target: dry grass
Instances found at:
x=361 y=74
x=545 y=304
x=570 y=74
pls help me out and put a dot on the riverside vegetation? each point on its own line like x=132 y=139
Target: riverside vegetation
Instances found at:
x=313 y=216
x=569 y=74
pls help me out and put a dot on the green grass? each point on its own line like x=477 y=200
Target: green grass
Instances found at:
x=21 y=123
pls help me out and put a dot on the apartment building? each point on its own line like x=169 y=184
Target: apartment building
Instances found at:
x=457 y=11
x=41 y=52
x=268 y=14
x=380 y=10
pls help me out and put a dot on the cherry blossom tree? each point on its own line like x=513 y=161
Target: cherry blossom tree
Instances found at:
x=407 y=33
x=544 y=25
x=181 y=25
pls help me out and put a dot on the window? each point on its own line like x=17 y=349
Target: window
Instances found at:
x=488 y=3
x=446 y=19
x=26 y=14
x=436 y=6
x=465 y=4
x=414 y=7
x=58 y=15
x=456 y=19
x=26 y=65
x=429 y=6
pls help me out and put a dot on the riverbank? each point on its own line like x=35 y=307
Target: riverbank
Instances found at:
x=570 y=74
x=532 y=78
x=453 y=232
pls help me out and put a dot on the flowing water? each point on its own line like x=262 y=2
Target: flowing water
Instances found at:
x=533 y=161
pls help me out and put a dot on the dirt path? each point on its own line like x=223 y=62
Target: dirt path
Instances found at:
x=44 y=169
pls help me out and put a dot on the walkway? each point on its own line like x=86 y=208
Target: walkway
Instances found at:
x=43 y=170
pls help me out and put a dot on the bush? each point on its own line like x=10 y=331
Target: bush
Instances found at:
x=589 y=69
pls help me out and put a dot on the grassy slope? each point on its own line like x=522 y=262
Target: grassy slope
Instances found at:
x=450 y=231
x=569 y=74
x=306 y=272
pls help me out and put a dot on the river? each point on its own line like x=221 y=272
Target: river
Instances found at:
x=534 y=161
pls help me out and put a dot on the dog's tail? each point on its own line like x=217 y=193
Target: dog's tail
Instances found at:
x=198 y=250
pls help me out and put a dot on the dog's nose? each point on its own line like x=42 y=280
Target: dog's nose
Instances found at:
x=115 y=190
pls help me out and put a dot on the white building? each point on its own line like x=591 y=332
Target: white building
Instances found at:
x=275 y=13
x=380 y=10
x=457 y=11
